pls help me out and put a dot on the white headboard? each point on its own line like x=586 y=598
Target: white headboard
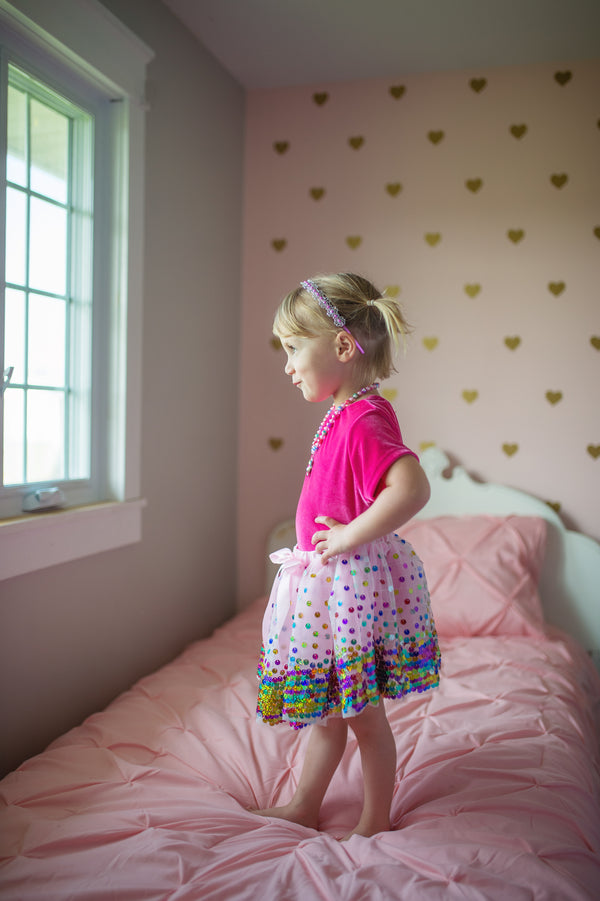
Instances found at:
x=570 y=579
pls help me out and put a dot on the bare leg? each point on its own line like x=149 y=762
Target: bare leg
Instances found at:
x=325 y=750
x=378 y=758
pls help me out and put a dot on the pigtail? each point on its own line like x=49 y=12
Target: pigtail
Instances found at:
x=379 y=320
x=396 y=325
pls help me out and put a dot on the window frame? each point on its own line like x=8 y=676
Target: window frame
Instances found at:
x=78 y=489
x=84 y=36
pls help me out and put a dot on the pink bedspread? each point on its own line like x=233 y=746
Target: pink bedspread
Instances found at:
x=497 y=792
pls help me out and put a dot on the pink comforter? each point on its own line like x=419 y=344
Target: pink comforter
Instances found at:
x=497 y=791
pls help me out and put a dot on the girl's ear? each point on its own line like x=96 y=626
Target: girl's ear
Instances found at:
x=345 y=346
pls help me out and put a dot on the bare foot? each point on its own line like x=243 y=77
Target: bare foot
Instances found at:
x=289 y=812
x=367 y=830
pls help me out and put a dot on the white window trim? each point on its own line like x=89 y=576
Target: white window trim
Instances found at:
x=80 y=31
x=67 y=535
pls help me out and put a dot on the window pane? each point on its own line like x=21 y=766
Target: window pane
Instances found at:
x=49 y=152
x=45 y=436
x=14 y=334
x=16 y=160
x=48 y=247
x=14 y=434
x=16 y=226
x=47 y=345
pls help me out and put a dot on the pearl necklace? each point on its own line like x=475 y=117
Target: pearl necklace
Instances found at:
x=330 y=419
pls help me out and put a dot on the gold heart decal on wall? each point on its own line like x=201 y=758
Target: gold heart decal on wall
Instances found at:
x=595 y=341
x=474 y=184
x=556 y=288
x=597 y=231
x=594 y=450
x=512 y=341
x=473 y=289
x=321 y=97
x=354 y=241
x=435 y=136
x=510 y=449
x=563 y=78
x=275 y=443
x=553 y=397
x=392 y=290
x=470 y=396
x=390 y=394
x=515 y=234
x=317 y=193
x=431 y=343
x=478 y=84
x=517 y=131
x=433 y=238
x=356 y=142
x=281 y=146
x=275 y=343
x=278 y=243
x=559 y=179
x=393 y=188
x=397 y=91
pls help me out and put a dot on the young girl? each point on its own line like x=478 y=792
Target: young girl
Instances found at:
x=349 y=621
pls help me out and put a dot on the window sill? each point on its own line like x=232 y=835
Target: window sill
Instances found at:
x=46 y=539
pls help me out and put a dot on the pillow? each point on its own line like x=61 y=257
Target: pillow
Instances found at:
x=482 y=572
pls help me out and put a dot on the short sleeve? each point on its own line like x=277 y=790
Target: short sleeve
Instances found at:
x=374 y=444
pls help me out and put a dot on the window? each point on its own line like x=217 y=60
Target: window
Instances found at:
x=48 y=300
x=71 y=205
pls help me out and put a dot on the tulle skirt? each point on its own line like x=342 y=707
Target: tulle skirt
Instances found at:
x=339 y=636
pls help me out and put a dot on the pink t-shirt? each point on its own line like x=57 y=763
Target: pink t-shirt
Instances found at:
x=349 y=466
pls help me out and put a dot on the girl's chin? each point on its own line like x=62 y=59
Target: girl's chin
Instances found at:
x=313 y=397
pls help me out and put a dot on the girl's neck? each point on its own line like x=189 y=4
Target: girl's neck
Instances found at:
x=345 y=392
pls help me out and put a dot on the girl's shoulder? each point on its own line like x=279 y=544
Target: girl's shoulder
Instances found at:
x=372 y=414
x=373 y=405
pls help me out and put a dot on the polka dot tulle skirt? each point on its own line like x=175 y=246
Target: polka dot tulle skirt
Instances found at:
x=339 y=636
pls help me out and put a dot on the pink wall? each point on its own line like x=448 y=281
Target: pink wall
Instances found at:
x=418 y=183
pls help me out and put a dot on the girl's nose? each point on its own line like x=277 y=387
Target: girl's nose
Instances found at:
x=288 y=368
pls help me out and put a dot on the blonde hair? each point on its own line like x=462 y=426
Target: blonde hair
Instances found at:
x=375 y=321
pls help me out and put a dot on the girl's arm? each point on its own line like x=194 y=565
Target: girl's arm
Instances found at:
x=405 y=492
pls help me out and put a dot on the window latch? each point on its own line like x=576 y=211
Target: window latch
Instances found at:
x=43 y=499
x=6 y=377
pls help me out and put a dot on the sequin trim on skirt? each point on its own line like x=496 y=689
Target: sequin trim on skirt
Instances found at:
x=339 y=636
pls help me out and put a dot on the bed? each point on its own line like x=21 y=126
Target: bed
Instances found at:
x=498 y=788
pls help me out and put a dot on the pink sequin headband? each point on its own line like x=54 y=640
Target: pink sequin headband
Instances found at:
x=331 y=310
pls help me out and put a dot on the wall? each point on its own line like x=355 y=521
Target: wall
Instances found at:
x=476 y=197
x=74 y=636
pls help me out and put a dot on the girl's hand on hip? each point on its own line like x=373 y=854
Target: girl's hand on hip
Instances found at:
x=330 y=541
